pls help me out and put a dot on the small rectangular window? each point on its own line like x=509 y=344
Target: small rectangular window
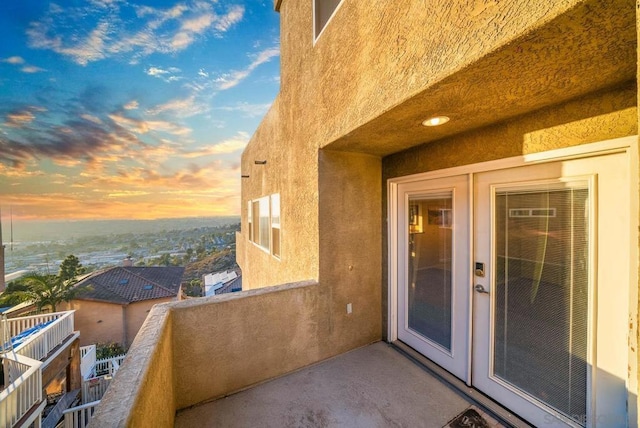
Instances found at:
x=263 y=218
x=263 y=221
x=255 y=214
x=323 y=10
x=250 y=221
x=275 y=225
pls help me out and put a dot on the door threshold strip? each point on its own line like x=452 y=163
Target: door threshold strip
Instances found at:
x=482 y=401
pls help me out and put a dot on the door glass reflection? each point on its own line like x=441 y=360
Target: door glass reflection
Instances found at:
x=430 y=260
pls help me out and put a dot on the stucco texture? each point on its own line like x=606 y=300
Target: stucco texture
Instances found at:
x=102 y=322
x=143 y=393
x=514 y=76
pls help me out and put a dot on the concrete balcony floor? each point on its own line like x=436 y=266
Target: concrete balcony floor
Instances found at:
x=374 y=386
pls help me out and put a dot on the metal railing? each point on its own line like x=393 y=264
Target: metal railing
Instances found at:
x=87 y=361
x=23 y=375
x=79 y=417
x=38 y=345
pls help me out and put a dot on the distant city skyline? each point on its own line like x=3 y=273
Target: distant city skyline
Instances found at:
x=117 y=109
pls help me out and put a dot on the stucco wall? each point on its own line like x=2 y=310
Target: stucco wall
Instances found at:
x=291 y=171
x=135 y=315
x=98 y=322
x=240 y=339
x=350 y=246
x=143 y=393
x=381 y=67
x=196 y=350
x=101 y=322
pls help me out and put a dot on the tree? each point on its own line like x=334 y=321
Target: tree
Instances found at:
x=70 y=268
x=46 y=290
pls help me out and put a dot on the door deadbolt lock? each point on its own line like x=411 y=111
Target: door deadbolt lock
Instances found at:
x=479 y=270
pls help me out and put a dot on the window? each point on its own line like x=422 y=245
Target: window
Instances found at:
x=250 y=221
x=323 y=10
x=275 y=225
x=263 y=223
x=263 y=216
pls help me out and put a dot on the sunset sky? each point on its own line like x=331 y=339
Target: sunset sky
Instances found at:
x=131 y=109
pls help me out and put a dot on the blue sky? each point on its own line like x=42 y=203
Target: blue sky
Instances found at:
x=131 y=109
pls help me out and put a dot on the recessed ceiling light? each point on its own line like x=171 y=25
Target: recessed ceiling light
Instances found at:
x=435 y=121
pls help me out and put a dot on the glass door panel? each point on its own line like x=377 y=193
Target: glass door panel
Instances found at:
x=430 y=256
x=541 y=294
x=433 y=281
x=555 y=240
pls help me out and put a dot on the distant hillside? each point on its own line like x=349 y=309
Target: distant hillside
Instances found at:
x=38 y=231
x=224 y=260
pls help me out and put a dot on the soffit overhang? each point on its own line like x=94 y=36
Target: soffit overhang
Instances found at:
x=590 y=47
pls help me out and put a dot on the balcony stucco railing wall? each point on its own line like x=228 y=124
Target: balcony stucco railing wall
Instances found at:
x=197 y=350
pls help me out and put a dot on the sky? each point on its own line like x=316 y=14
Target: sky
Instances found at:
x=131 y=109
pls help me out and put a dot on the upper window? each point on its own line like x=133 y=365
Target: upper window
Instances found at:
x=322 y=12
x=264 y=223
x=275 y=225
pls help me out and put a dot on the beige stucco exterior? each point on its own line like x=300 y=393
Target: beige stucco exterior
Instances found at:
x=103 y=322
x=515 y=77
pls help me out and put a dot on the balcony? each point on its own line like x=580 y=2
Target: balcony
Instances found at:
x=209 y=360
x=33 y=348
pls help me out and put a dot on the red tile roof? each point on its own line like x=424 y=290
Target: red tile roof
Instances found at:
x=123 y=285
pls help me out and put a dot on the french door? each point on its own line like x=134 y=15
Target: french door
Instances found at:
x=434 y=305
x=530 y=266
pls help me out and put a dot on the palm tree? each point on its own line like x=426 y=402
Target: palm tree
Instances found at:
x=47 y=290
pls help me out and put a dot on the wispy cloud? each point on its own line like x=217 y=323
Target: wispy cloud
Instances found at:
x=131 y=105
x=15 y=60
x=155 y=30
x=30 y=69
x=168 y=75
x=140 y=126
x=180 y=107
x=26 y=68
x=231 y=145
x=227 y=81
x=248 y=110
x=19 y=118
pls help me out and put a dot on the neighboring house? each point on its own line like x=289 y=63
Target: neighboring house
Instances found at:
x=501 y=244
x=112 y=304
x=221 y=282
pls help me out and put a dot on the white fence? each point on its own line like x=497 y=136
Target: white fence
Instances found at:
x=94 y=388
x=109 y=366
x=39 y=344
x=24 y=377
x=79 y=417
x=87 y=361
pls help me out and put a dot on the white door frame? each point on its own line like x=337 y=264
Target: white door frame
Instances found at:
x=628 y=145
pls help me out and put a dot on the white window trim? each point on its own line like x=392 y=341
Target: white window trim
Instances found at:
x=256 y=222
x=326 y=24
x=274 y=225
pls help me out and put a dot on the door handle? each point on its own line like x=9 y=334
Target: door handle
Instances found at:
x=480 y=289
